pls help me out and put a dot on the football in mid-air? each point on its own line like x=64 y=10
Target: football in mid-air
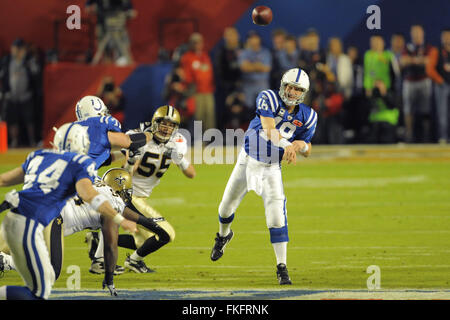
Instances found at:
x=262 y=15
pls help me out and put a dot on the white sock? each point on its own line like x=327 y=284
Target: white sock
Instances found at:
x=280 y=249
x=224 y=229
x=135 y=256
x=99 y=252
x=3 y=293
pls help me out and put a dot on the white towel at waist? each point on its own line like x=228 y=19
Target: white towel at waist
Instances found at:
x=255 y=175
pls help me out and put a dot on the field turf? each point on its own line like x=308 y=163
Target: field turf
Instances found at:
x=347 y=209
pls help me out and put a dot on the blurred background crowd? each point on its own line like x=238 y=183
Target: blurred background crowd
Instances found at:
x=396 y=91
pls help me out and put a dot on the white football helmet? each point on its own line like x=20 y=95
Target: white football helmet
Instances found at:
x=298 y=78
x=72 y=137
x=90 y=106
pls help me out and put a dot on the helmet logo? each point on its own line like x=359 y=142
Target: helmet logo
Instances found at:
x=97 y=108
x=120 y=180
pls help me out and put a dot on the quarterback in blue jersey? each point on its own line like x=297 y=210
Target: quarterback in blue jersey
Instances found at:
x=105 y=132
x=283 y=126
x=50 y=178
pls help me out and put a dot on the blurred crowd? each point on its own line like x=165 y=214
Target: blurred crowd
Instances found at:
x=396 y=91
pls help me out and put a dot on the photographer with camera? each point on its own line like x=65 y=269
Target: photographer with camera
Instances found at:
x=112 y=96
x=380 y=72
x=112 y=34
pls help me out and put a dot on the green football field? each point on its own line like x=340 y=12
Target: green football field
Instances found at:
x=348 y=209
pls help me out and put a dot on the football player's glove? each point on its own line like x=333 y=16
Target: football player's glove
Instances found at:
x=111 y=288
x=133 y=155
x=176 y=156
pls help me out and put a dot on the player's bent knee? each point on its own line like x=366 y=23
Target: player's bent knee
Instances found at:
x=169 y=233
x=226 y=209
x=275 y=214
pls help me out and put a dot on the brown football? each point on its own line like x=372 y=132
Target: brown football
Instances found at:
x=262 y=15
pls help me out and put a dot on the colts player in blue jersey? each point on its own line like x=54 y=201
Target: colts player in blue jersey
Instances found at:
x=50 y=178
x=283 y=126
x=105 y=132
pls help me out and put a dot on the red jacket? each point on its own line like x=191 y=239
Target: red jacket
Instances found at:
x=198 y=69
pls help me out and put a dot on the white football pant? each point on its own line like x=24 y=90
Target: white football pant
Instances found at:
x=266 y=180
x=25 y=238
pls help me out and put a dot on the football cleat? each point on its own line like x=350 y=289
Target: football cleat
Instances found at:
x=91 y=238
x=137 y=266
x=282 y=274
x=98 y=267
x=219 y=245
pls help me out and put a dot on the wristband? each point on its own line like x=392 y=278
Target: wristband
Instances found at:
x=118 y=219
x=184 y=164
x=305 y=148
x=283 y=143
x=97 y=201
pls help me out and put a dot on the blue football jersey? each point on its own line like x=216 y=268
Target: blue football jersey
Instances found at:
x=298 y=125
x=98 y=127
x=50 y=178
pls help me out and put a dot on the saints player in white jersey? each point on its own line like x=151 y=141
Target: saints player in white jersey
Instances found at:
x=147 y=168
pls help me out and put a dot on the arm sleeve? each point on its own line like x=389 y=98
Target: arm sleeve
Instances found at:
x=266 y=104
x=267 y=58
x=242 y=57
x=27 y=161
x=113 y=124
x=310 y=126
x=433 y=58
x=84 y=168
x=185 y=65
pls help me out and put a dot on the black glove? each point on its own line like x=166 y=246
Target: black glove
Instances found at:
x=133 y=155
x=108 y=282
x=111 y=288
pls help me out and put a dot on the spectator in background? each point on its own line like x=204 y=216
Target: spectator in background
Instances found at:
x=416 y=87
x=355 y=110
x=358 y=70
x=311 y=54
x=111 y=30
x=237 y=115
x=384 y=114
x=341 y=67
x=380 y=71
x=302 y=43
x=397 y=48
x=289 y=57
x=227 y=61
x=397 y=45
x=178 y=94
x=198 y=71
x=277 y=51
x=18 y=72
x=112 y=97
x=310 y=57
x=438 y=69
x=227 y=71
x=255 y=63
